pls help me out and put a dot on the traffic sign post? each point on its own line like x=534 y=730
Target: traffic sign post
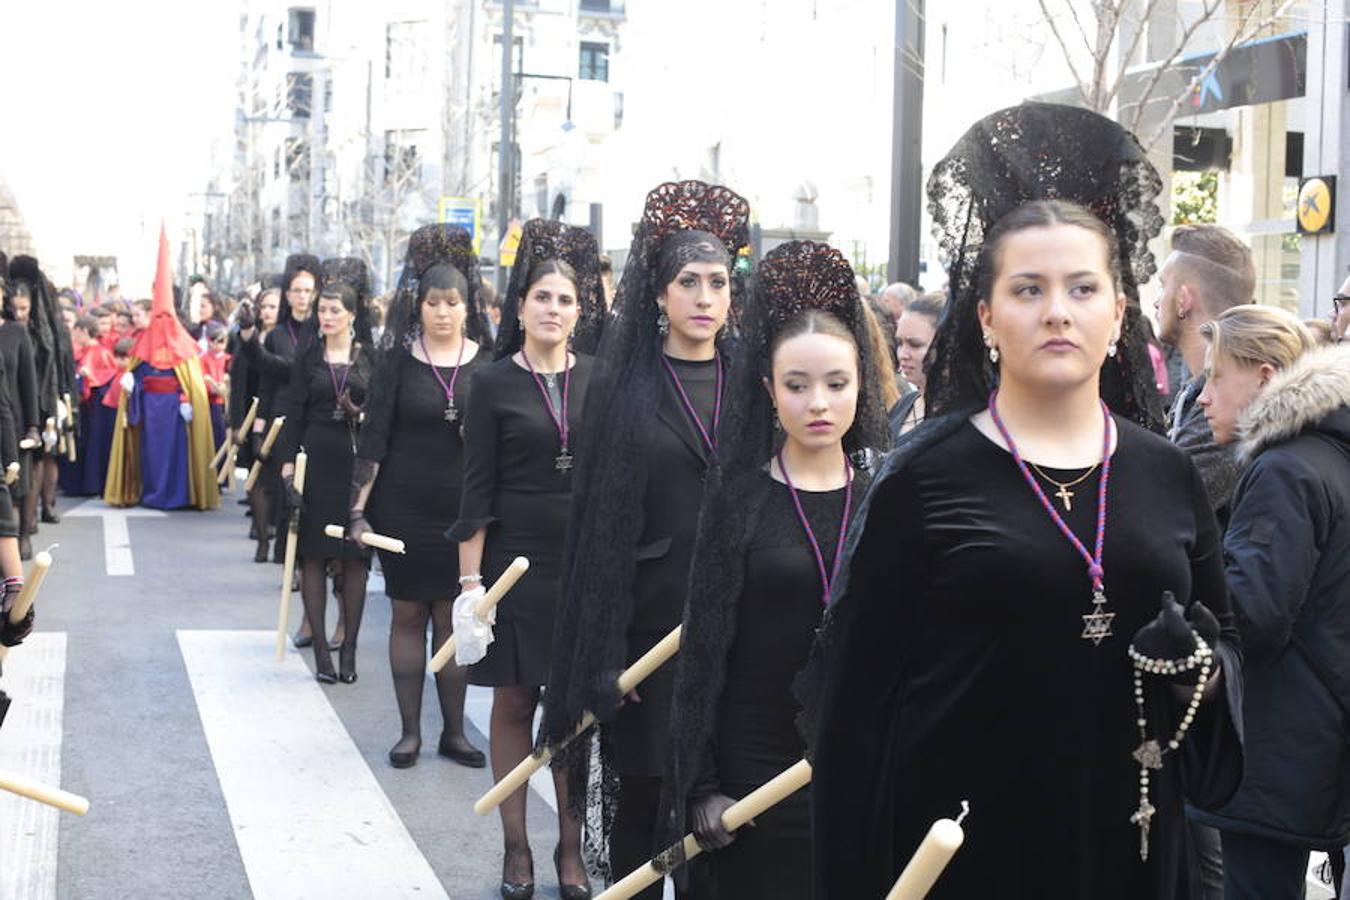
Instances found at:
x=465 y=212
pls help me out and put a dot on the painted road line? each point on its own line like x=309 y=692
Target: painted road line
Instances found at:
x=30 y=745
x=308 y=815
x=116 y=535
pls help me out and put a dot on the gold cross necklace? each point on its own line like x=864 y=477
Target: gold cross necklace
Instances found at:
x=1064 y=494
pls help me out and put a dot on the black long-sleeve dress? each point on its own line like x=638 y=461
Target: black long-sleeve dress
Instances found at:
x=416 y=495
x=957 y=671
x=329 y=437
x=22 y=392
x=512 y=486
x=755 y=735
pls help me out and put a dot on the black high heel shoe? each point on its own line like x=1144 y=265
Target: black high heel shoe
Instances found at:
x=517 y=890
x=325 y=678
x=569 y=891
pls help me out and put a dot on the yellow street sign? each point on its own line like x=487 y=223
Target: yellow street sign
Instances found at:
x=1317 y=205
x=510 y=244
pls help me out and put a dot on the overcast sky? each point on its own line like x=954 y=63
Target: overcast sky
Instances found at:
x=109 y=109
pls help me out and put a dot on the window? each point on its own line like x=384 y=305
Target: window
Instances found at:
x=301 y=31
x=595 y=6
x=299 y=94
x=405 y=57
x=297 y=159
x=402 y=165
x=594 y=61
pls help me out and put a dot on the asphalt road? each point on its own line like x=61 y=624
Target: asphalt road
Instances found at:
x=173 y=811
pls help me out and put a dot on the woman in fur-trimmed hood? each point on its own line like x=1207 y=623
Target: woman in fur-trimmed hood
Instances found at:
x=1287 y=560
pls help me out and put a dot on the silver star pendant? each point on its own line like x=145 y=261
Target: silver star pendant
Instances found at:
x=1097 y=624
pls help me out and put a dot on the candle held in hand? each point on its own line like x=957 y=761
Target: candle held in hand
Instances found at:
x=937 y=849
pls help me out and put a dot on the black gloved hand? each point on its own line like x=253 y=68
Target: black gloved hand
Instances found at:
x=706 y=817
x=1171 y=634
x=13 y=633
x=356 y=527
x=294 y=499
x=245 y=318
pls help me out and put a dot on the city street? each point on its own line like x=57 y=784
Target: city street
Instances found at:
x=212 y=770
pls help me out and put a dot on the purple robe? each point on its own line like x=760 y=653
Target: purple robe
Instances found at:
x=164 y=439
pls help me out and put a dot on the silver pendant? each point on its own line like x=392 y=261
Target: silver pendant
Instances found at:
x=564 y=461
x=1143 y=818
x=451 y=413
x=1149 y=755
x=1097 y=624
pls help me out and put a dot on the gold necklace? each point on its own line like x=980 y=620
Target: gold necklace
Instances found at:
x=1064 y=494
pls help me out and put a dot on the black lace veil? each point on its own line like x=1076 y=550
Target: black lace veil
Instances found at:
x=353 y=273
x=682 y=220
x=295 y=264
x=52 y=357
x=545 y=239
x=793 y=277
x=1041 y=151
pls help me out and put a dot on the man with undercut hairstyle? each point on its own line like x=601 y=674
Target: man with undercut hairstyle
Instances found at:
x=1208 y=271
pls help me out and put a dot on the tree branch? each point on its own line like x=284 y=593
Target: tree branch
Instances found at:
x=1208 y=10
x=1244 y=32
x=1133 y=48
x=1068 y=57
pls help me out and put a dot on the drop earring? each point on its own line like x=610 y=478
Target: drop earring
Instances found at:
x=662 y=323
x=777 y=422
x=1112 y=347
x=993 y=351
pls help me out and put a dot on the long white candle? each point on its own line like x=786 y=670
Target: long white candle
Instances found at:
x=937 y=849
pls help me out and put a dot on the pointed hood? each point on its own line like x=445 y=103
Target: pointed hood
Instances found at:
x=165 y=342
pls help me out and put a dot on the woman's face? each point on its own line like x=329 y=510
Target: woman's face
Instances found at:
x=549 y=311
x=334 y=318
x=267 y=310
x=300 y=295
x=696 y=301
x=815 y=388
x=1053 y=307
x=913 y=335
x=1230 y=387
x=207 y=310
x=23 y=306
x=443 y=313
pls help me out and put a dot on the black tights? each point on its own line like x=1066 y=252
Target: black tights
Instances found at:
x=260 y=502
x=512 y=717
x=408 y=662
x=314 y=591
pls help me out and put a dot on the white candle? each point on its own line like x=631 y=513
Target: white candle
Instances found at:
x=937 y=849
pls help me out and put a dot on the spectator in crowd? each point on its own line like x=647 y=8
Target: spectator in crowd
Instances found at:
x=1208 y=271
x=895 y=297
x=1287 y=559
x=1340 y=305
x=1322 y=331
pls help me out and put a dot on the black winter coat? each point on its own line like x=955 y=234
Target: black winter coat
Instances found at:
x=1287 y=558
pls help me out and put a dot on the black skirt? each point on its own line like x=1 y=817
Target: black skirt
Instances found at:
x=328 y=480
x=418 y=515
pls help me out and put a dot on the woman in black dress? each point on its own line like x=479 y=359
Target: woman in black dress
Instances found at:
x=245 y=384
x=21 y=390
x=327 y=388
x=652 y=420
x=1017 y=551
x=520 y=443
x=272 y=355
x=770 y=533
x=409 y=472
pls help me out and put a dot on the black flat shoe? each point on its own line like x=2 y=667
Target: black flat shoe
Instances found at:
x=50 y=517
x=404 y=759
x=473 y=758
x=347 y=677
x=325 y=678
x=301 y=643
x=517 y=890
x=569 y=891
x=260 y=555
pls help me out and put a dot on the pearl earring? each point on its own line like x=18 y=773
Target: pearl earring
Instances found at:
x=993 y=351
x=1112 y=347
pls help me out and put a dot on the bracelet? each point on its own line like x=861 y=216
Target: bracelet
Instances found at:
x=470 y=579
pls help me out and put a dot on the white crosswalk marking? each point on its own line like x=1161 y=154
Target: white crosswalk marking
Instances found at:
x=30 y=745
x=116 y=535
x=308 y=815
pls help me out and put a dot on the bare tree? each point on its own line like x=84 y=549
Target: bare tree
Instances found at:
x=1110 y=32
x=377 y=222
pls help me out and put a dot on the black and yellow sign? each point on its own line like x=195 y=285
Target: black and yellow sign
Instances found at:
x=1317 y=205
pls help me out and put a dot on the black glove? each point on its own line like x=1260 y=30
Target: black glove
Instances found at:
x=356 y=527
x=294 y=499
x=245 y=317
x=13 y=633
x=1171 y=634
x=706 y=815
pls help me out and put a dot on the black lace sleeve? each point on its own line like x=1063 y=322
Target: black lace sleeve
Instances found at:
x=477 y=501
x=293 y=403
x=382 y=404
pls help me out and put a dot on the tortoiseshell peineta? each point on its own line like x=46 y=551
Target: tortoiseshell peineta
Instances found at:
x=694 y=205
